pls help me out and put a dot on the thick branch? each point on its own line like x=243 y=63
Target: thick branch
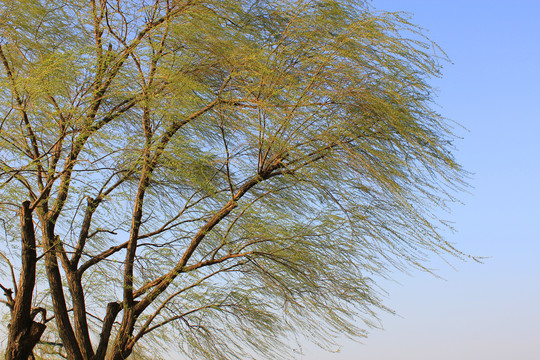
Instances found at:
x=112 y=311
x=31 y=135
x=78 y=146
x=141 y=191
x=96 y=259
x=9 y=296
x=145 y=328
x=199 y=236
x=85 y=229
x=52 y=248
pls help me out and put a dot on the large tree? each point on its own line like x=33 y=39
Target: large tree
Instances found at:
x=211 y=176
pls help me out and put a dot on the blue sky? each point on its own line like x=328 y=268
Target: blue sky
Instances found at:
x=491 y=310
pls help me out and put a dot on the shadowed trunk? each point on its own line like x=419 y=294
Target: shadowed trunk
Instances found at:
x=24 y=332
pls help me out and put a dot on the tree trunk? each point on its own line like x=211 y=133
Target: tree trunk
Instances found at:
x=122 y=346
x=65 y=329
x=113 y=309
x=79 y=314
x=24 y=332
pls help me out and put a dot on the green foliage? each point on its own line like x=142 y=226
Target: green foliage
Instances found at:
x=326 y=104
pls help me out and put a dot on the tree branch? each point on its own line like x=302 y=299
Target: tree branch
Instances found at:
x=96 y=259
x=199 y=236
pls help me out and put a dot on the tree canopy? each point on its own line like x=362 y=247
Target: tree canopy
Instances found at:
x=212 y=176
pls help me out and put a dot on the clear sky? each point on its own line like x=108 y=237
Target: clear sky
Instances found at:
x=489 y=311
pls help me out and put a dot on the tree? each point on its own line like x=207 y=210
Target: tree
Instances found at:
x=211 y=175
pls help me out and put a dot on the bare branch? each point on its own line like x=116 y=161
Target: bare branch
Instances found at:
x=97 y=258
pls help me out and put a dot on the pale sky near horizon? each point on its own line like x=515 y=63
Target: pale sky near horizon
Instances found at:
x=487 y=311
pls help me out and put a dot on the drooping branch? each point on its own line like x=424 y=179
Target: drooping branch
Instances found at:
x=173 y=318
x=145 y=328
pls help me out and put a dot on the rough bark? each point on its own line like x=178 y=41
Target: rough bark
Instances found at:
x=24 y=332
x=113 y=309
x=79 y=315
x=122 y=347
x=65 y=329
